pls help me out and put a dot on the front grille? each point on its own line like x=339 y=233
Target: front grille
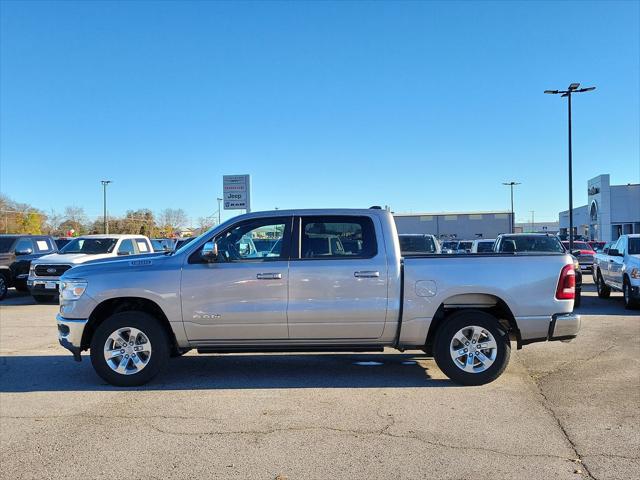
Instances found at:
x=51 y=270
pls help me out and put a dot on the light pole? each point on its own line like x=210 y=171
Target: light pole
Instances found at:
x=511 y=185
x=219 y=209
x=533 y=213
x=573 y=88
x=104 y=204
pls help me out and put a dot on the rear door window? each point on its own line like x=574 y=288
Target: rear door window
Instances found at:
x=337 y=237
x=126 y=247
x=142 y=245
x=24 y=244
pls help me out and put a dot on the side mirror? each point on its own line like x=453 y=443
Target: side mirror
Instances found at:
x=575 y=253
x=209 y=252
x=24 y=251
x=123 y=253
x=614 y=252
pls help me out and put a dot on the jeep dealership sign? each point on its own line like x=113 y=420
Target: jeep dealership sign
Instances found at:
x=236 y=192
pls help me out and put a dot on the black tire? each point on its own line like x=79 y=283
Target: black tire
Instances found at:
x=445 y=335
x=603 y=290
x=578 y=299
x=4 y=286
x=151 y=328
x=629 y=303
x=43 y=298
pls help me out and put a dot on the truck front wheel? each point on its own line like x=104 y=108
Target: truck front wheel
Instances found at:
x=601 y=287
x=129 y=349
x=471 y=348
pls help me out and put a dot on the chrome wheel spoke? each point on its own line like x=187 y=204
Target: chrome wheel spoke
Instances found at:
x=473 y=349
x=127 y=350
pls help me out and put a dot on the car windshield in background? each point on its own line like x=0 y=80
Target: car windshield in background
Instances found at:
x=90 y=246
x=634 y=246
x=485 y=247
x=464 y=245
x=578 y=245
x=5 y=243
x=450 y=245
x=417 y=244
x=531 y=244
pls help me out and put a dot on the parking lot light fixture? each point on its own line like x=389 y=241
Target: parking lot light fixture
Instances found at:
x=573 y=88
x=511 y=185
x=104 y=204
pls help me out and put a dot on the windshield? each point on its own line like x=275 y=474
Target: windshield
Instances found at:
x=485 y=246
x=449 y=245
x=464 y=245
x=634 y=246
x=5 y=243
x=578 y=245
x=531 y=244
x=90 y=246
x=418 y=243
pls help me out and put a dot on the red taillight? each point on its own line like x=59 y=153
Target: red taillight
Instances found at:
x=566 y=284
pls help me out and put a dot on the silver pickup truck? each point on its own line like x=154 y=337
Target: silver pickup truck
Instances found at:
x=313 y=280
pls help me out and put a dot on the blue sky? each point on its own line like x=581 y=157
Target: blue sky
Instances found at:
x=422 y=106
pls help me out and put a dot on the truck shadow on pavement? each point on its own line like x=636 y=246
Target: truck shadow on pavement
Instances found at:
x=213 y=372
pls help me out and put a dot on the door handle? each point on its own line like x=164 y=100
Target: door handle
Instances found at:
x=366 y=274
x=269 y=276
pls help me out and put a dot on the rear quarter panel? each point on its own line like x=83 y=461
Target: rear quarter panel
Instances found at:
x=526 y=283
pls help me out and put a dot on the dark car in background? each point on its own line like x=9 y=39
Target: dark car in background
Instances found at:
x=181 y=242
x=16 y=253
x=62 y=241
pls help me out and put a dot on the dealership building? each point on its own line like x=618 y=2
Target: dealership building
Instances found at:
x=455 y=225
x=611 y=210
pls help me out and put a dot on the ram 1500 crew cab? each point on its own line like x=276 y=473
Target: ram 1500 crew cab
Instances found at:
x=618 y=268
x=327 y=280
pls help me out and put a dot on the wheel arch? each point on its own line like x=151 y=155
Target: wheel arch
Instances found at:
x=484 y=302
x=124 y=304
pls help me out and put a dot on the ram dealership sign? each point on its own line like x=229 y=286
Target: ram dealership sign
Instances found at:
x=236 y=192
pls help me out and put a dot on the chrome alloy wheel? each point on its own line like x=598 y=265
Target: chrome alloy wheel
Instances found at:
x=127 y=351
x=473 y=349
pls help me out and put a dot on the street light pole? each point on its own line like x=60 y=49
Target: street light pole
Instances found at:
x=511 y=185
x=219 y=209
x=104 y=204
x=573 y=88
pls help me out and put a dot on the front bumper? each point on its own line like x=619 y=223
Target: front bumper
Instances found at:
x=564 y=326
x=70 y=332
x=44 y=287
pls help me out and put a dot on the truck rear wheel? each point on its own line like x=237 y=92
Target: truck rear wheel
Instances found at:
x=129 y=349
x=471 y=348
x=603 y=290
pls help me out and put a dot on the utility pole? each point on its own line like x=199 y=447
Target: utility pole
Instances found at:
x=104 y=204
x=573 y=88
x=511 y=185
x=219 y=209
x=533 y=221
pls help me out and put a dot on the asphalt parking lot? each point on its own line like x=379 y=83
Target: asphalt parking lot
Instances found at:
x=559 y=411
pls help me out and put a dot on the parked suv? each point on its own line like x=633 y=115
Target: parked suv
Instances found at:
x=45 y=272
x=16 y=253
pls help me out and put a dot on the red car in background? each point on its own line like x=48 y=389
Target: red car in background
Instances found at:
x=597 y=246
x=583 y=252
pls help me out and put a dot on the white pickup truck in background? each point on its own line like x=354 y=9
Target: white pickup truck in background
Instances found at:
x=618 y=268
x=45 y=272
x=314 y=280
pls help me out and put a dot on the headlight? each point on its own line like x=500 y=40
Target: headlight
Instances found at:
x=32 y=270
x=635 y=272
x=72 y=289
x=576 y=265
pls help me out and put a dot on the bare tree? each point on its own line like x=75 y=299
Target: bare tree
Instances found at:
x=172 y=219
